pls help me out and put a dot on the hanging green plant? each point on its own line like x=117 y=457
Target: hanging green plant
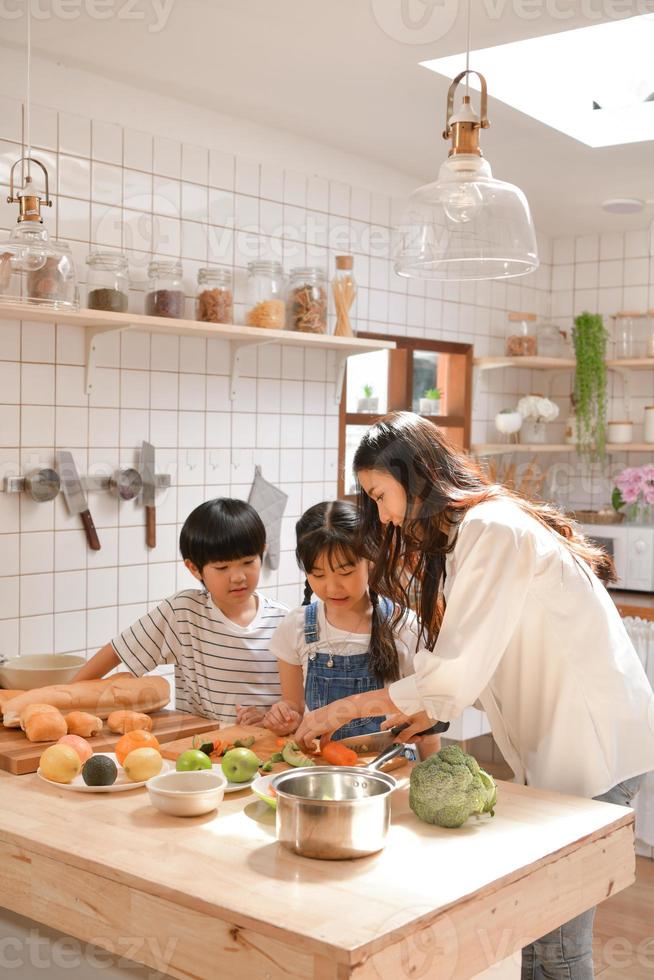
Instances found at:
x=589 y=336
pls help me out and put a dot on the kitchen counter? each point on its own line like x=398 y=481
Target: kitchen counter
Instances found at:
x=217 y=896
x=634 y=603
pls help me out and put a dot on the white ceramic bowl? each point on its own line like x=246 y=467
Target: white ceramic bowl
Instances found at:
x=187 y=794
x=39 y=670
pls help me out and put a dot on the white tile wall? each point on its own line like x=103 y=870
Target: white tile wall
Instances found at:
x=150 y=195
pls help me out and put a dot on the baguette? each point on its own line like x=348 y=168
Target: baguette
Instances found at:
x=100 y=697
x=84 y=724
x=42 y=723
x=6 y=696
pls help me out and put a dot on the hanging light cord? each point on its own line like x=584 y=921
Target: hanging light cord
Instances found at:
x=468 y=51
x=28 y=93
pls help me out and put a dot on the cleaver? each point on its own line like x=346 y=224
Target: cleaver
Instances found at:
x=378 y=741
x=71 y=486
x=148 y=477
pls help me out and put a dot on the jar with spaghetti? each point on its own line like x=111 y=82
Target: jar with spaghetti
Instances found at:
x=215 y=299
x=165 y=295
x=265 y=304
x=306 y=308
x=521 y=338
x=344 y=291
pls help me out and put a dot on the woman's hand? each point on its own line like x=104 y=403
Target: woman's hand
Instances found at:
x=249 y=715
x=282 y=718
x=419 y=722
x=324 y=722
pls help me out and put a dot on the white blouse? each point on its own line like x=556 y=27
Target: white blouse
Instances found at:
x=532 y=634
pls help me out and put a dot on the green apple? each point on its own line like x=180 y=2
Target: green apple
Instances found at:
x=191 y=760
x=240 y=765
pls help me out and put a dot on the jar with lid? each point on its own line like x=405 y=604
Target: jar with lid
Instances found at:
x=307 y=300
x=521 y=335
x=344 y=290
x=265 y=304
x=630 y=334
x=215 y=298
x=549 y=340
x=165 y=294
x=650 y=333
x=108 y=282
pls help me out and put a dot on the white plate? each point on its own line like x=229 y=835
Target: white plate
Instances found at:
x=122 y=782
x=234 y=787
x=261 y=786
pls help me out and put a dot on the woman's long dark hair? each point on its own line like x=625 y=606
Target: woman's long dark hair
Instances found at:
x=441 y=484
x=331 y=530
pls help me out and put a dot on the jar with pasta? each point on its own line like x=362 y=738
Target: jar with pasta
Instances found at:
x=265 y=305
x=215 y=299
x=521 y=335
x=306 y=307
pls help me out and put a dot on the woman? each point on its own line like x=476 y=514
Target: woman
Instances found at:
x=515 y=619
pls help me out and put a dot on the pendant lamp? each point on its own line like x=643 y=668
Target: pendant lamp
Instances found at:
x=466 y=225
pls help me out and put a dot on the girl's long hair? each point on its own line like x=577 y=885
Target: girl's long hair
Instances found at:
x=441 y=484
x=331 y=531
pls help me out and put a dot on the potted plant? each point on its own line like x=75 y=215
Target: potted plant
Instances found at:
x=508 y=422
x=536 y=412
x=589 y=337
x=430 y=402
x=368 y=403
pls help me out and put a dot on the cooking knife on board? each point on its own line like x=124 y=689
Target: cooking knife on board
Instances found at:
x=75 y=496
x=148 y=476
x=378 y=741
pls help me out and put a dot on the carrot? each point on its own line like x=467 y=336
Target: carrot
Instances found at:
x=339 y=755
x=281 y=742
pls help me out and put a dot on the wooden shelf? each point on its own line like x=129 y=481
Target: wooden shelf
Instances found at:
x=500 y=449
x=97 y=322
x=370 y=418
x=633 y=363
x=532 y=363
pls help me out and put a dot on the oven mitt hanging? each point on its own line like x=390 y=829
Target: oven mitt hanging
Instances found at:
x=270 y=503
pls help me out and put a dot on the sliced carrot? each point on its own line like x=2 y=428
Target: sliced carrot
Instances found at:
x=281 y=742
x=339 y=755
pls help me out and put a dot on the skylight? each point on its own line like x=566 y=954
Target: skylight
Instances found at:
x=559 y=78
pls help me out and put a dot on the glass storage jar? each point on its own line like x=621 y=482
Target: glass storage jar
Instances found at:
x=165 y=295
x=306 y=307
x=521 y=335
x=650 y=333
x=265 y=304
x=630 y=334
x=549 y=340
x=215 y=298
x=108 y=282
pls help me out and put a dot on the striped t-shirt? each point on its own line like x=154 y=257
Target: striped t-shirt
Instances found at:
x=218 y=664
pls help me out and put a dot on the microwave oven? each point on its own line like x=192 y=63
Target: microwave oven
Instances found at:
x=632 y=548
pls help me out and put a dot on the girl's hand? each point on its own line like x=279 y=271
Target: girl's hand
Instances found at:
x=419 y=722
x=249 y=715
x=282 y=718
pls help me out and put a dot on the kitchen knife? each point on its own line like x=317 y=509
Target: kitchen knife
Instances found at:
x=71 y=486
x=378 y=741
x=148 y=475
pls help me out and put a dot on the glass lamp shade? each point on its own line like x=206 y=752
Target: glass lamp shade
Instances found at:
x=466 y=225
x=36 y=269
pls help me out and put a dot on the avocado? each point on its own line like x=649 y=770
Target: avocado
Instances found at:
x=276 y=757
x=99 y=770
x=293 y=755
x=207 y=748
x=244 y=743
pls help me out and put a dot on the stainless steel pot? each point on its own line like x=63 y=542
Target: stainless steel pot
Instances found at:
x=335 y=812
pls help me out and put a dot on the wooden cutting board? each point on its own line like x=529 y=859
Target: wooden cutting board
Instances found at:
x=265 y=742
x=19 y=756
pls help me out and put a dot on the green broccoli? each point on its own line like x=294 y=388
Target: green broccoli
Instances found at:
x=449 y=787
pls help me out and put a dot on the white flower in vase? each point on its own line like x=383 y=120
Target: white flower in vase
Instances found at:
x=536 y=412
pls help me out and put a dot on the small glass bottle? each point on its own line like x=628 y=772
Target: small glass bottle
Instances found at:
x=165 y=295
x=307 y=300
x=265 y=295
x=650 y=333
x=344 y=291
x=215 y=299
x=624 y=337
x=521 y=335
x=108 y=282
x=549 y=341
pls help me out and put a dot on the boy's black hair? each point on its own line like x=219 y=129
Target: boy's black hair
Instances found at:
x=223 y=529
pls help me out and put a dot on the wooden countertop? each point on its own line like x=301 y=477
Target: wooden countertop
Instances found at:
x=221 y=897
x=634 y=603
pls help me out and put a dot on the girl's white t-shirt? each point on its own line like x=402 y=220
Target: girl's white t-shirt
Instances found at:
x=288 y=641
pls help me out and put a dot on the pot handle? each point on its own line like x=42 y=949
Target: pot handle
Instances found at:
x=397 y=748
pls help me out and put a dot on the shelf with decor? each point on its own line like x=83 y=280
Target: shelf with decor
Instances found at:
x=536 y=363
x=97 y=322
x=500 y=449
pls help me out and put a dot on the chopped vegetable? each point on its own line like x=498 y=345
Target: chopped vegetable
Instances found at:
x=277 y=757
x=337 y=754
x=293 y=755
x=267 y=766
x=449 y=787
x=244 y=743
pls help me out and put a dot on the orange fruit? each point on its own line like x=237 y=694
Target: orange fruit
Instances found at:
x=138 y=739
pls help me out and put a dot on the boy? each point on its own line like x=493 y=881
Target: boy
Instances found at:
x=218 y=636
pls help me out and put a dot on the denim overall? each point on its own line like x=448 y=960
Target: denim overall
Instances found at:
x=331 y=678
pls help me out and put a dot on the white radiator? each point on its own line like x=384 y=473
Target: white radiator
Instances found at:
x=641 y=633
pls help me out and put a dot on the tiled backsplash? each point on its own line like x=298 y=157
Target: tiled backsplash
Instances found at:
x=118 y=187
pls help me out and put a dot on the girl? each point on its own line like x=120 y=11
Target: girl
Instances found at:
x=513 y=613
x=341 y=643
